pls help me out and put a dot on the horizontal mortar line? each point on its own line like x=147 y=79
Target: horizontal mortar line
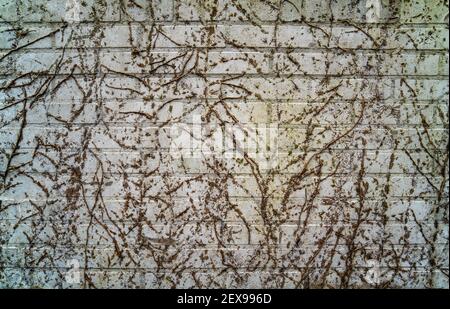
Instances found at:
x=202 y=75
x=278 y=124
x=431 y=201
x=130 y=267
x=238 y=196
x=240 y=223
x=266 y=76
x=197 y=99
x=255 y=223
x=242 y=250
x=206 y=102
x=334 y=23
x=272 y=74
x=256 y=245
x=180 y=173
x=217 y=246
x=167 y=170
x=262 y=49
x=172 y=22
x=168 y=149
x=216 y=125
x=255 y=219
x=260 y=124
x=121 y=264
x=245 y=198
x=189 y=100
x=249 y=195
x=195 y=247
x=366 y=125
x=320 y=201
x=134 y=240
x=217 y=267
x=229 y=48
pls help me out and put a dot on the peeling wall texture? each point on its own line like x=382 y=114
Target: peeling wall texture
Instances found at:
x=224 y=143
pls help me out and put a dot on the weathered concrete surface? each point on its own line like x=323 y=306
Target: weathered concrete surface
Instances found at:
x=240 y=143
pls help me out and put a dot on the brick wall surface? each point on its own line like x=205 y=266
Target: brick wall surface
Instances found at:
x=224 y=143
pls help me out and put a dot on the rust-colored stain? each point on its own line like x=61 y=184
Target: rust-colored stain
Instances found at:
x=224 y=144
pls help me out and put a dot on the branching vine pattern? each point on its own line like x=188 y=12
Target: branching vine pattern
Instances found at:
x=356 y=183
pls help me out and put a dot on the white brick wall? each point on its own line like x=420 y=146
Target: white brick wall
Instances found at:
x=348 y=169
